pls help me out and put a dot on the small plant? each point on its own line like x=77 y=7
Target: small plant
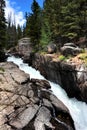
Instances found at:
x=0 y=80
x=62 y=58
x=2 y=69
x=83 y=57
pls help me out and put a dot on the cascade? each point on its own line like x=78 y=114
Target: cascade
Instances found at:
x=78 y=109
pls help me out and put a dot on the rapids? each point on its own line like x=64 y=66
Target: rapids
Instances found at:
x=78 y=109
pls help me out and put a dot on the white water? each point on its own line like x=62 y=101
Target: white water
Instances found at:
x=78 y=109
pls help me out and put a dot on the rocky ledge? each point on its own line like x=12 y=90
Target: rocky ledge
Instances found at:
x=71 y=75
x=29 y=104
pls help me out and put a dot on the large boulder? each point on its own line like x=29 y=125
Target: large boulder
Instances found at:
x=51 y=48
x=29 y=104
x=24 y=46
x=70 y=49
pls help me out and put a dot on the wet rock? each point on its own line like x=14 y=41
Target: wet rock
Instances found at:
x=23 y=118
x=43 y=119
x=41 y=83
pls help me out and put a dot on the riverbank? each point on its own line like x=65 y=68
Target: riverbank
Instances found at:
x=70 y=74
x=27 y=103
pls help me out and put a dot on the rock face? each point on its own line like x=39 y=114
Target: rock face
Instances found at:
x=24 y=46
x=29 y=104
x=71 y=77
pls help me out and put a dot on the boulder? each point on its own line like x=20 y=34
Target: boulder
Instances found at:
x=70 y=44
x=70 y=49
x=24 y=46
x=28 y=104
x=51 y=48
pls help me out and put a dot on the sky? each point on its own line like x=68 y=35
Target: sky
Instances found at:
x=18 y=8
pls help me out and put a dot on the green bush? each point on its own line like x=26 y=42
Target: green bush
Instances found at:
x=62 y=58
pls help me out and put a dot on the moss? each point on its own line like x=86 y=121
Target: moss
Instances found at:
x=2 y=69
x=0 y=80
x=42 y=52
x=83 y=57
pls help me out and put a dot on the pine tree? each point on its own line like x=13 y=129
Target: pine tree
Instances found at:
x=33 y=25
x=19 y=32
x=45 y=35
x=83 y=17
x=67 y=19
x=2 y=24
x=11 y=32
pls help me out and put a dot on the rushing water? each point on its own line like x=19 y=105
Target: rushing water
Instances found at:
x=78 y=109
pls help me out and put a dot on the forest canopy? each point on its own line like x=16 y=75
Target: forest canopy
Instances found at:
x=58 y=21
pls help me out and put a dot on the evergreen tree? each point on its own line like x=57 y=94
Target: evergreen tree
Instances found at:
x=19 y=32
x=33 y=24
x=2 y=25
x=69 y=22
x=83 y=17
x=11 y=32
x=45 y=38
x=67 y=19
x=52 y=10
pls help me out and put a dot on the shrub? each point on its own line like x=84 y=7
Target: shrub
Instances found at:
x=62 y=58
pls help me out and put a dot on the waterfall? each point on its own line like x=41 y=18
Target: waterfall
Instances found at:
x=78 y=109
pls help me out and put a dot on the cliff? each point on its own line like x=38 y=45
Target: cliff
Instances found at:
x=71 y=75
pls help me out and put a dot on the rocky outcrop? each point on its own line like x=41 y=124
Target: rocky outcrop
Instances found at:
x=29 y=104
x=70 y=49
x=24 y=46
x=70 y=76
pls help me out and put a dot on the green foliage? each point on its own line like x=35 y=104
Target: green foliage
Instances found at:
x=11 y=32
x=59 y=21
x=83 y=57
x=19 y=32
x=2 y=25
x=62 y=58
x=33 y=25
x=45 y=35
x=67 y=19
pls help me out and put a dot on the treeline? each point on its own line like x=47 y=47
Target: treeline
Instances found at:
x=9 y=33
x=59 y=21
x=13 y=32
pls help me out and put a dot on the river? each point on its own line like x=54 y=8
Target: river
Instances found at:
x=78 y=109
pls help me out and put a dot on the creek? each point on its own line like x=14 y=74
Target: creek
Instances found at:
x=78 y=109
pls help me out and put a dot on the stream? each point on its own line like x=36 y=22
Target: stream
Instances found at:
x=78 y=109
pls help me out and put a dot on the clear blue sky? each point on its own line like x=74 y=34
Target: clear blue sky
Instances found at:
x=24 y=5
